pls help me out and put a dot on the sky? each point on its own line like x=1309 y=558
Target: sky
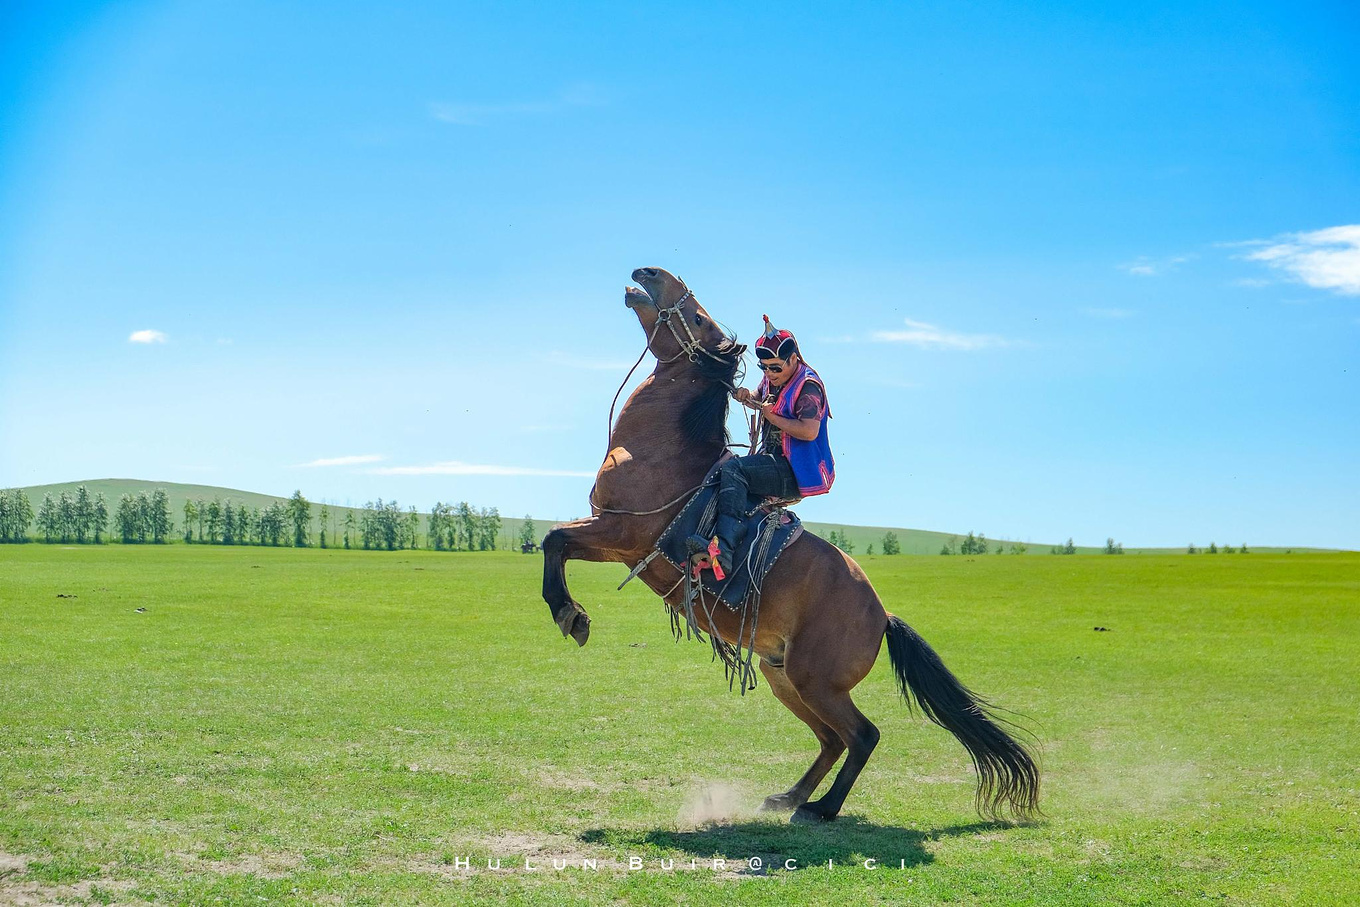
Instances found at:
x=1080 y=270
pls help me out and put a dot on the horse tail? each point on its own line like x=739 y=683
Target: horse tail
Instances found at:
x=1008 y=777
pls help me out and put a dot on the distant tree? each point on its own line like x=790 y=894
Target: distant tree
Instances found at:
x=125 y=519
x=201 y=511
x=242 y=525
x=369 y=530
x=273 y=524
x=349 y=527
x=16 y=513
x=212 y=521
x=870 y=549
x=435 y=527
x=48 y=523
x=300 y=514
x=490 y=529
x=1109 y=546
x=190 y=516
x=325 y=519
x=1213 y=549
x=949 y=547
x=467 y=525
x=100 y=522
x=66 y=516
x=980 y=546
x=1069 y=548
x=391 y=523
x=412 y=526
x=526 y=531
x=1228 y=549
x=84 y=514
x=160 y=525
x=1243 y=549
x=1191 y=549
x=228 y=523
x=890 y=543
x=1019 y=547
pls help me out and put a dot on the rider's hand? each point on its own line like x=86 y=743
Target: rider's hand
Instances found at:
x=743 y=395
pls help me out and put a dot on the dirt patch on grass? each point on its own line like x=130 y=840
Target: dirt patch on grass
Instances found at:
x=264 y=866
x=18 y=891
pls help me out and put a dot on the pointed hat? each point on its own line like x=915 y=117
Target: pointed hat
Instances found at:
x=775 y=343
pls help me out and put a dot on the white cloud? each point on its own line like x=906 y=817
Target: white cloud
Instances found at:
x=1323 y=259
x=455 y=468
x=1142 y=266
x=1110 y=313
x=465 y=114
x=147 y=336
x=928 y=336
x=344 y=461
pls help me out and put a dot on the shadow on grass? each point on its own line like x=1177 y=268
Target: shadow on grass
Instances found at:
x=849 y=838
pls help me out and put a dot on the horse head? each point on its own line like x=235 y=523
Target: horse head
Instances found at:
x=680 y=330
x=663 y=296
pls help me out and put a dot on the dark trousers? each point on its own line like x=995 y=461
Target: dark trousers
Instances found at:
x=758 y=476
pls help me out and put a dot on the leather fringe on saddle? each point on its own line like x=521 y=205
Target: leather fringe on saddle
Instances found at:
x=737 y=668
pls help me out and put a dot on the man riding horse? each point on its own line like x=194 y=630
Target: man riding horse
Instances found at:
x=792 y=458
x=819 y=625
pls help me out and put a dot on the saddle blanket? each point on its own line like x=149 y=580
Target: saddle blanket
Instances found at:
x=702 y=508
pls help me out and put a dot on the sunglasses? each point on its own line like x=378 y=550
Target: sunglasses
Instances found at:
x=772 y=369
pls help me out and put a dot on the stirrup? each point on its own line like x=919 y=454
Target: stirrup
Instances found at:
x=697 y=546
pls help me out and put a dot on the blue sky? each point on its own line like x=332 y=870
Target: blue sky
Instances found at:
x=1069 y=270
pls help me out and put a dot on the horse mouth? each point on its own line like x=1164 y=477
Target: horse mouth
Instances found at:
x=635 y=296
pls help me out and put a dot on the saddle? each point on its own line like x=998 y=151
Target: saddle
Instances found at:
x=769 y=529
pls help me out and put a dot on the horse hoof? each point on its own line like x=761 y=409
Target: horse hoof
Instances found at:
x=806 y=814
x=580 y=629
x=779 y=803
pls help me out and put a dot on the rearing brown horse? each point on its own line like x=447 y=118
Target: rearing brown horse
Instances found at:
x=821 y=623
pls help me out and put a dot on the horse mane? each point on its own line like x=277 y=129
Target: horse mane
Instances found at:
x=704 y=420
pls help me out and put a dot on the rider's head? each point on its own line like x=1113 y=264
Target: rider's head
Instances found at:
x=777 y=354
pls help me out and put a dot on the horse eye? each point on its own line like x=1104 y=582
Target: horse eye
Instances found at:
x=698 y=319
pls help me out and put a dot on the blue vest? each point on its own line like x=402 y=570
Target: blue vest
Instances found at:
x=813 y=465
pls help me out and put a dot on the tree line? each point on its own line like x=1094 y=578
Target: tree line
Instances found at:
x=80 y=517
x=843 y=541
x=978 y=544
x=1214 y=549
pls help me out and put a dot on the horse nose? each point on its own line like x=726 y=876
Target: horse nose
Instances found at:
x=644 y=272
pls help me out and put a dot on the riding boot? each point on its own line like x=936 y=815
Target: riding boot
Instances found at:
x=730 y=530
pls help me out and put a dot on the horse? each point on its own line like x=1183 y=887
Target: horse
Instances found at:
x=821 y=623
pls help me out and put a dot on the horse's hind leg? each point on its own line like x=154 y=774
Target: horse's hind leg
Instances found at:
x=832 y=747
x=857 y=732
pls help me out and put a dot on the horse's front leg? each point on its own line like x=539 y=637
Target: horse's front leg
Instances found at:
x=590 y=539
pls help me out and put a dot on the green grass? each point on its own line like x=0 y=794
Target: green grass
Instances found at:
x=312 y=726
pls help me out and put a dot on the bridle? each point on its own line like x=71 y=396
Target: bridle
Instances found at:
x=689 y=344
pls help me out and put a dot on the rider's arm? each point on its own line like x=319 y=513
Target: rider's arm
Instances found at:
x=802 y=429
x=808 y=409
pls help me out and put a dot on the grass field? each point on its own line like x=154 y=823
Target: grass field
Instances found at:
x=291 y=726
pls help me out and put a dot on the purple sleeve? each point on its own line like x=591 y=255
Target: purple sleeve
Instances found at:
x=811 y=400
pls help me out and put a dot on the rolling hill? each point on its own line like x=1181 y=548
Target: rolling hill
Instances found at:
x=912 y=541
